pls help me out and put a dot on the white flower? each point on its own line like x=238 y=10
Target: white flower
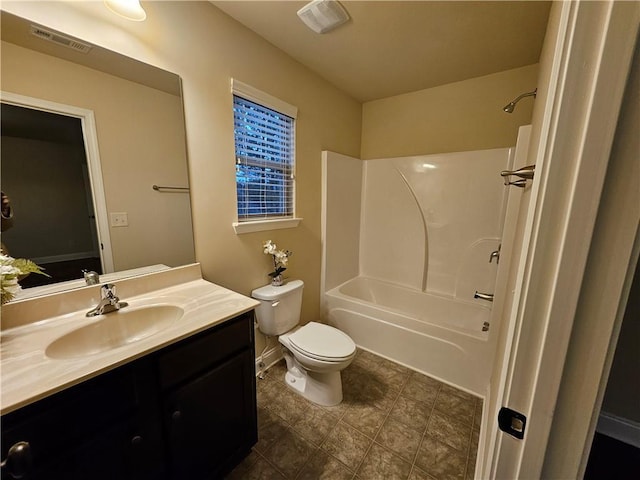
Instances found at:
x=10 y=270
x=11 y=285
x=269 y=247
x=7 y=270
x=281 y=257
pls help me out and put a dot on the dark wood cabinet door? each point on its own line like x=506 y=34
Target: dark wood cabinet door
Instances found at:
x=82 y=432
x=110 y=455
x=211 y=421
x=117 y=452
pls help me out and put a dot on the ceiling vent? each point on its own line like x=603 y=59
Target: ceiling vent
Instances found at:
x=322 y=16
x=60 y=39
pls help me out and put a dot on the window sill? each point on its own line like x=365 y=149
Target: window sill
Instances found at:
x=264 y=225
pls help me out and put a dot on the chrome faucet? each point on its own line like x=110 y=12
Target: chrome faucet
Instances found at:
x=91 y=277
x=108 y=303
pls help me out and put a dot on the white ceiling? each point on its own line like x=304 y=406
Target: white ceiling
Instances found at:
x=394 y=47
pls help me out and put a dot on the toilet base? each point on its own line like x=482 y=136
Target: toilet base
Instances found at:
x=320 y=388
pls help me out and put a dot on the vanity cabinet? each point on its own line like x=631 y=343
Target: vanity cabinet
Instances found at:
x=84 y=432
x=209 y=400
x=185 y=411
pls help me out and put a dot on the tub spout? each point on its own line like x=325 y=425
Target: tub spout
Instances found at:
x=483 y=296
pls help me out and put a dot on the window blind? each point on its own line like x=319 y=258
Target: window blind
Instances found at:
x=264 y=144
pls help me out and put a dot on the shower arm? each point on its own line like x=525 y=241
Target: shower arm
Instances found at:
x=512 y=105
x=528 y=94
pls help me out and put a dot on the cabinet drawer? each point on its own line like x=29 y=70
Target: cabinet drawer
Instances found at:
x=194 y=355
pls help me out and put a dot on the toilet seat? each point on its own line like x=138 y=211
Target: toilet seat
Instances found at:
x=322 y=342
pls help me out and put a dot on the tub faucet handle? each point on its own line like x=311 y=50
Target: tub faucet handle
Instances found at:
x=495 y=254
x=483 y=296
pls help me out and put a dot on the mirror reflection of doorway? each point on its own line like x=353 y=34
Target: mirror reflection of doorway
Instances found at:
x=44 y=172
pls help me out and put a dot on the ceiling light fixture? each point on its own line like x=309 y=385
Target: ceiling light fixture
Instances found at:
x=322 y=16
x=129 y=9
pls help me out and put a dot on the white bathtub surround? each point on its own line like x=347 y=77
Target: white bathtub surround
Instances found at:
x=403 y=286
x=430 y=222
x=427 y=222
x=341 y=209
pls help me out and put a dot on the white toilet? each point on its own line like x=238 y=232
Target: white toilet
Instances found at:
x=315 y=353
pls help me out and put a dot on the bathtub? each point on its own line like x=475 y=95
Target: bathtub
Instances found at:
x=436 y=335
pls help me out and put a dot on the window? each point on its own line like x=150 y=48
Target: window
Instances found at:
x=264 y=161
x=264 y=131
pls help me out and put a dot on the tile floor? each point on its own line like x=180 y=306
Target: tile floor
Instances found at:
x=392 y=424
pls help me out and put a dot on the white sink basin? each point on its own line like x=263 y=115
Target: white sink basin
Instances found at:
x=114 y=330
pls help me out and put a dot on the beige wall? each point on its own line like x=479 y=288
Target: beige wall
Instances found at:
x=141 y=142
x=207 y=48
x=455 y=117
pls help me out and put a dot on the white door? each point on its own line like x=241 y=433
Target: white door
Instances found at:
x=588 y=51
x=518 y=201
x=87 y=120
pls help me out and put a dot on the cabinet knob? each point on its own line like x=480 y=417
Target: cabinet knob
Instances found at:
x=175 y=416
x=136 y=440
x=18 y=461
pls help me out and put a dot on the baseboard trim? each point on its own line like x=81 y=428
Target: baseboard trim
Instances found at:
x=268 y=358
x=65 y=257
x=622 y=429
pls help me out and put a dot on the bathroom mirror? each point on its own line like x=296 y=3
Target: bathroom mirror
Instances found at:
x=109 y=129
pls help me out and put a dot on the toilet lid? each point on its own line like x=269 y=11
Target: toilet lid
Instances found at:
x=322 y=342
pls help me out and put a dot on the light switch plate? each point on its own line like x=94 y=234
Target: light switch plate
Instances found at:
x=119 y=219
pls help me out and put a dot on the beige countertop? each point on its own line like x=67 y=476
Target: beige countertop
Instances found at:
x=27 y=374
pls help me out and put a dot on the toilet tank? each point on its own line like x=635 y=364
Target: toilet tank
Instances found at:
x=279 y=309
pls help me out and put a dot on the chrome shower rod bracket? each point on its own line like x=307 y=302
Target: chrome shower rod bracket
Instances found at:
x=524 y=173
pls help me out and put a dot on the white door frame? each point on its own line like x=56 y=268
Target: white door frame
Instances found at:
x=581 y=99
x=90 y=135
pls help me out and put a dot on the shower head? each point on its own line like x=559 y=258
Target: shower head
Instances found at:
x=512 y=105
x=509 y=108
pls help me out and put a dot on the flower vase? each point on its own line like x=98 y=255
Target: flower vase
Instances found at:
x=277 y=281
